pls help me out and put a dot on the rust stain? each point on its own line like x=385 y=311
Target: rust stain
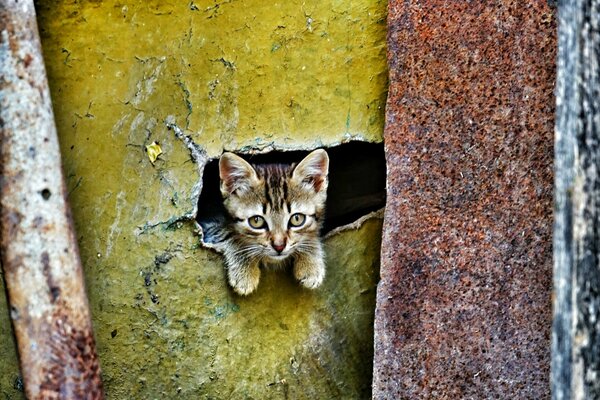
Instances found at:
x=12 y=220
x=464 y=304
x=72 y=350
x=53 y=288
x=27 y=60
x=10 y=29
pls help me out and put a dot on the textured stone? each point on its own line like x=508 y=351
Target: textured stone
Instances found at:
x=464 y=302
x=575 y=330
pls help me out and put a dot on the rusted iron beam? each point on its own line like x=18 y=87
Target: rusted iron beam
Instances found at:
x=464 y=301
x=38 y=249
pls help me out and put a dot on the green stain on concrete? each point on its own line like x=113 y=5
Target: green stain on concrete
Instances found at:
x=245 y=76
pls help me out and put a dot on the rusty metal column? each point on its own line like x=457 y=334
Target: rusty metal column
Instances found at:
x=464 y=302
x=38 y=249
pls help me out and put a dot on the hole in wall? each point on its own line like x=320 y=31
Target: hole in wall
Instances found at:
x=356 y=188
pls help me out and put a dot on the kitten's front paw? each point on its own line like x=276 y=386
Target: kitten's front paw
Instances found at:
x=310 y=273
x=312 y=281
x=245 y=280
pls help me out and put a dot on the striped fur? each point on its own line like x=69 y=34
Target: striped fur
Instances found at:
x=278 y=195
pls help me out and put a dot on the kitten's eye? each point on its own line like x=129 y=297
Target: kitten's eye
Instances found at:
x=257 y=222
x=297 y=219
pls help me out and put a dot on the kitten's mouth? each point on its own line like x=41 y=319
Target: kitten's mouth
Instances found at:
x=279 y=257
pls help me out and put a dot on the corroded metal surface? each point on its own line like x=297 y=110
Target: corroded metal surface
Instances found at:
x=38 y=249
x=464 y=304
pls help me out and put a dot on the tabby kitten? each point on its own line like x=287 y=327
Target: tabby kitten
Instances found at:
x=275 y=215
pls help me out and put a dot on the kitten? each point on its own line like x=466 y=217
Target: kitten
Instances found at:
x=276 y=212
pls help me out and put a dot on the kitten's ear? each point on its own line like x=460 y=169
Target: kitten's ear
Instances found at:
x=235 y=174
x=312 y=171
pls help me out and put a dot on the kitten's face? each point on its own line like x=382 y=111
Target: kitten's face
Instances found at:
x=277 y=210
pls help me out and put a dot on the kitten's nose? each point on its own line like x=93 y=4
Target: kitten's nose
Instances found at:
x=278 y=246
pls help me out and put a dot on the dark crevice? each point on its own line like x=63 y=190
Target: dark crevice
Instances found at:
x=356 y=182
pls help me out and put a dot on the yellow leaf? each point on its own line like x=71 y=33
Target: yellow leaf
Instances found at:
x=153 y=151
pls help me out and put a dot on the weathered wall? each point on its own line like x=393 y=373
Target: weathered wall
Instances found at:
x=464 y=304
x=233 y=75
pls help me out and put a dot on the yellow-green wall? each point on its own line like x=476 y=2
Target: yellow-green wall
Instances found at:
x=236 y=75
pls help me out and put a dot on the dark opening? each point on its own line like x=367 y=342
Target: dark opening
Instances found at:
x=356 y=183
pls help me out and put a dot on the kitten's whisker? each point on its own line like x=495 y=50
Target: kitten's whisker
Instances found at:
x=306 y=248
x=248 y=252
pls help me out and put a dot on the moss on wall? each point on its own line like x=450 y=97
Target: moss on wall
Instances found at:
x=246 y=76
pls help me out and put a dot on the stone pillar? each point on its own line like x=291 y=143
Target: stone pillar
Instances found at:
x=464 y=302
x=576 y=333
